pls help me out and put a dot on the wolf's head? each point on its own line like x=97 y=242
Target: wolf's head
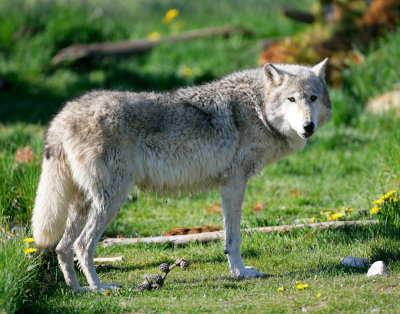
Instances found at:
x=297 y=101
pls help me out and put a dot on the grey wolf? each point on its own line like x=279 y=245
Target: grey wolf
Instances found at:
x=217 y=135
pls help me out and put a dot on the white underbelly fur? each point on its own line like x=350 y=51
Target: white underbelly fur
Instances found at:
x=199 y=170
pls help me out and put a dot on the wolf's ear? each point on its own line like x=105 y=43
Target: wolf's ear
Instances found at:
x=319 y=69
x=273 y=74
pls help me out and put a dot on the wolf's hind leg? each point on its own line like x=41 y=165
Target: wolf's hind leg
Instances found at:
x=76 y=221
x=106 y=204
x=232 y=198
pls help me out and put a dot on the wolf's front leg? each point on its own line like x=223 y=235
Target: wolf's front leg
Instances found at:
x=232 y=198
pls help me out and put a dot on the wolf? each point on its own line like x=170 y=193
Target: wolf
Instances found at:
x=217 y=135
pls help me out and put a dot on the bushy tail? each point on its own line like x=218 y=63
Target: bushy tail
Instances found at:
x=54 y=194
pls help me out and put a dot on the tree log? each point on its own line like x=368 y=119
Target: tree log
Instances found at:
x=217 y=235
x=123 y=48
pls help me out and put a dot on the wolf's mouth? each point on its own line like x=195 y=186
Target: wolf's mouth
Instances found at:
x=306 y=135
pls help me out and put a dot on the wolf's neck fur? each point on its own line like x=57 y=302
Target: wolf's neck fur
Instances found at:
x=244 y=94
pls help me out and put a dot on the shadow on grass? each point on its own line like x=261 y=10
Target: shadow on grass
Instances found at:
x=36 y=103
x=387 y=251
x=321 y=270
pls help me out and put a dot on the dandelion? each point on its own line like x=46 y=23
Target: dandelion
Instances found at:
x=187 y=72
x=395 y=200
x=312 y=219
x=279 y=289
x=335 y=216
x=375 y=210
x=154 y=36
x=378 y=202
x=107 y=292
x=301 y=286
x=390 y=193
x=28 y=240
x=349 y=210
x=30 y=250
x=318 y=295
x=170 y=15
x=384 y=198
x=325 y=213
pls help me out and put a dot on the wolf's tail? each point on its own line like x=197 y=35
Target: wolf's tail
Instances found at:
x=55 y=192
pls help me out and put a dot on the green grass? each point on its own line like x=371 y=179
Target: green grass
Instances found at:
x=45 y=27
x=311 y=257
x=351 y=161
x=19 y=275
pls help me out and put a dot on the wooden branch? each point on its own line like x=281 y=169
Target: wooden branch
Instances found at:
x=300 y=16
x=108 y=259
x=217 y=235
x=76 y=52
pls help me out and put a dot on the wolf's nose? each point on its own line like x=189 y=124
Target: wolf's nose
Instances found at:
x=308 y=126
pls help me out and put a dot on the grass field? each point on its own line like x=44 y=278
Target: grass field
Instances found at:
x=350 y=162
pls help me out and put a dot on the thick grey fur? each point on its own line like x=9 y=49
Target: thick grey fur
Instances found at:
x=193 y=139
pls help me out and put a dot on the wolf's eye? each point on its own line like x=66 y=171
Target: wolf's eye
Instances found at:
x=292 y=99
x=313 y=97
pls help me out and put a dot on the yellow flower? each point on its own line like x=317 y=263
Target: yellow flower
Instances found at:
x=375 y=210
x=297 y=282
x=187 y=72
x=28 y=240
x=279 y=289
x=31 y=250
x=301 y=286
x=377 y=202
x=390 y=193
x=312 y=219
x=395 y=200
x=154 y=36
x=325 y=213
x=107 y=292
x=346 y=209
x=170 y=15
x=318 y=295
x=335 y=216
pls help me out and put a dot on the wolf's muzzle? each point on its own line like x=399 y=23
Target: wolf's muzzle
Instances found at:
x=308 y=128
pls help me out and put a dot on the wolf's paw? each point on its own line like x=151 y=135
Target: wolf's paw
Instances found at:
x=250 y=272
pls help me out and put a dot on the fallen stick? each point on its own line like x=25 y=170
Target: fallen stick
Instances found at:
x=76 y=52
x=300 y=16
x=108 y=259
x=217 y=235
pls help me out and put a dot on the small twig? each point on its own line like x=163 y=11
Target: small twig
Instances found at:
x=157 y=281
x=108 y=259
x=105 y=259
